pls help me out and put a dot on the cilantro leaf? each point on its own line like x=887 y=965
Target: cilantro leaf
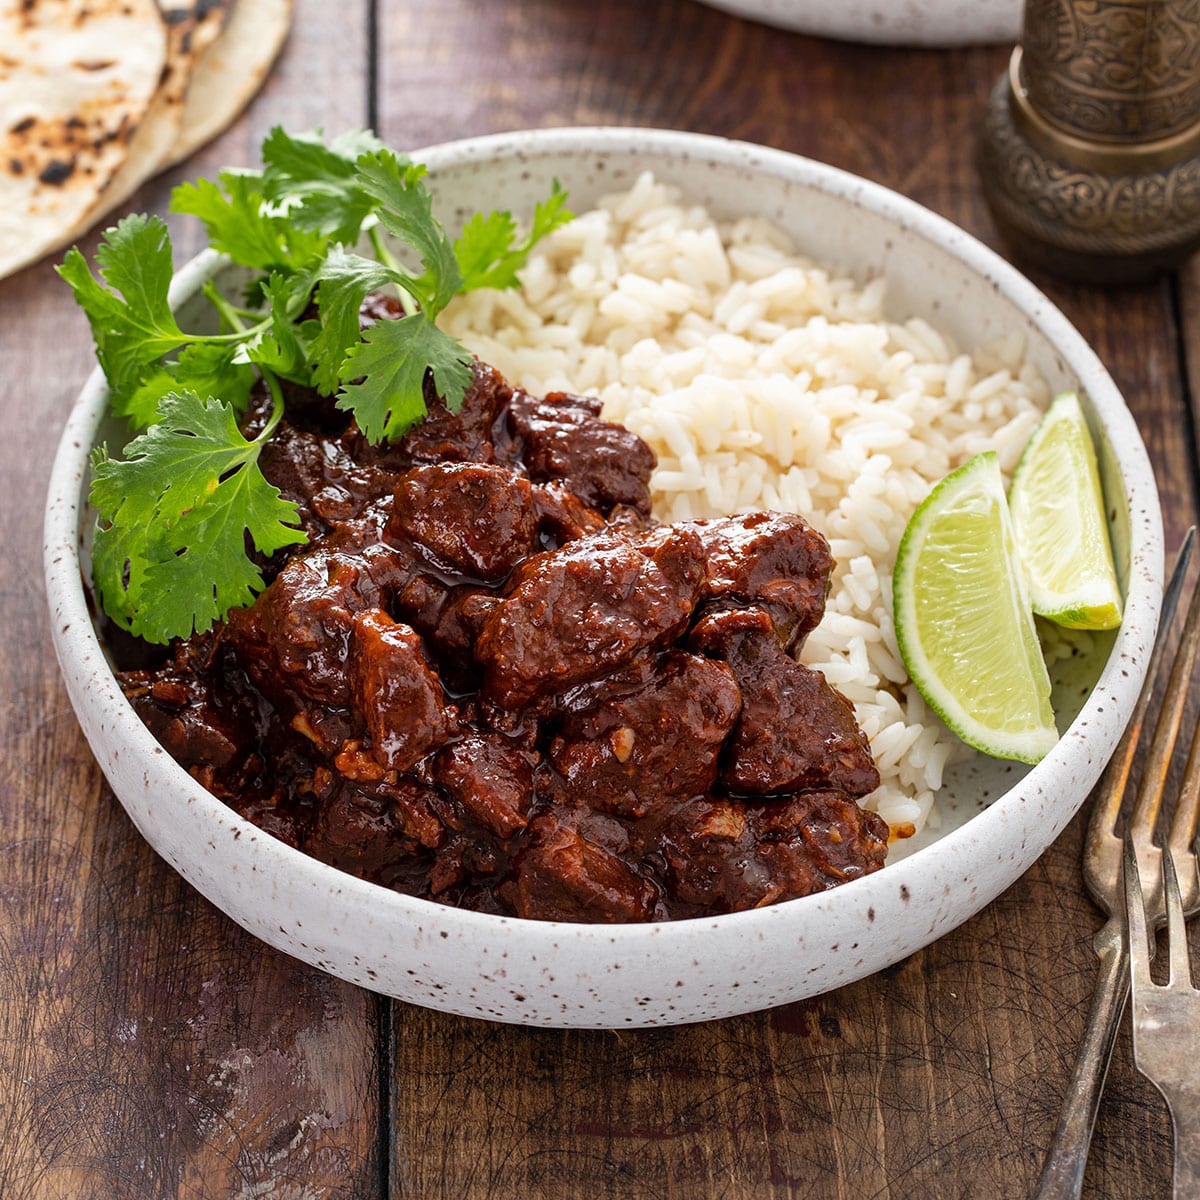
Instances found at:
x=483 y=246
x=241 y=224
x=211 y=370
x=316 y=185
x=135 y=259
x=406 y=210
x=486 y=252
x=207 y=368
x=344 y=281
x=388 y=367
x=169 y=555
x=134 y=329
x=141 y=404
x=280 y=346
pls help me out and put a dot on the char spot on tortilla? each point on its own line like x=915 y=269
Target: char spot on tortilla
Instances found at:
x=57 y=171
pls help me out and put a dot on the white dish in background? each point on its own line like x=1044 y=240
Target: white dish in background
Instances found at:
x=561 y=974
x=897 y=22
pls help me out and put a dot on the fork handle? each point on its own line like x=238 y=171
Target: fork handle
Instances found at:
x=1184 y=1104
x=1062 y=1172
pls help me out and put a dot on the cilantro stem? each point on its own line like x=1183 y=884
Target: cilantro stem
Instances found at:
x=276 y=391
x=388 y=259
x=227 y=337
x=228 y=313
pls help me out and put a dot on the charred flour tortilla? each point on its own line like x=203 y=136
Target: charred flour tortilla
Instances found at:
x=76 y=80
x=192 y=26
x=232 y=69
x=97 y=96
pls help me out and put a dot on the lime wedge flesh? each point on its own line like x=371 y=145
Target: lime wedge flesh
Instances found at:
x=1058 y=512
x=963 y=620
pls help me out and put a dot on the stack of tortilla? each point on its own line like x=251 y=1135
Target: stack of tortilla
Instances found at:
x=97 y=96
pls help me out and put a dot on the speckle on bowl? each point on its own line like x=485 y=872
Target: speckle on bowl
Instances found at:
x=555 y=974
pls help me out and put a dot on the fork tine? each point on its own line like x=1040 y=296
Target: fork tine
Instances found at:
x=1135 y=908
x=1187 y=810
x=1181 y=970
x=1149 y=796
x=1107 y=805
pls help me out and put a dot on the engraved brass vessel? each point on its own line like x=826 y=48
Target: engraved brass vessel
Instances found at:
x=1090 y=148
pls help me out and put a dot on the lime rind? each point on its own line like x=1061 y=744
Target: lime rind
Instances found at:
x=963 y=620
x=1057 y=505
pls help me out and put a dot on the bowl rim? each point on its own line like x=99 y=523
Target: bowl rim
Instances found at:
x=77 y=645
x=942 y=24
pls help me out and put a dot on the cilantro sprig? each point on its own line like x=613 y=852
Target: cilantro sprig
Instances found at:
x=169 y=552
x=320 y=225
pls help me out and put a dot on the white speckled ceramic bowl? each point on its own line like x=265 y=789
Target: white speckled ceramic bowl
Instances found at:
x=898 y=22
x=588 y=975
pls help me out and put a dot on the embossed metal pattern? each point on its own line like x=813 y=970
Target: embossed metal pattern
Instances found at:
x=1127 y=158
x=1090 y=148
x=1146 y=219
x=1114 y=69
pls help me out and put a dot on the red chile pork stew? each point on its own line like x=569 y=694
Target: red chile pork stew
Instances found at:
x=492 y=680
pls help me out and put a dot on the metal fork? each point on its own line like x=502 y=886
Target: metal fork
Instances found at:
x=1062 y=1172
x=1166 y=1018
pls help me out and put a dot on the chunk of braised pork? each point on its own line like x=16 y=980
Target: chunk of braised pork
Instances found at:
x=561 y=875
x=273 y=814
x=561 y=437
x=795 y=732
x=586 y=609
x=318 y=475
x=392 y=686
x=199 y=723
x=724 y=856
x=771 y=559
x=562 y=516
x=448 y=619
x=648 y=735
x=465 y=435
x=459 y=622
x=376 y=836
x=821 y=835
x=706 y=847
x=491 y=778
x=475 y=519
x=325 y=730
x=296 y=635
x=448 y=616
x=464 y=868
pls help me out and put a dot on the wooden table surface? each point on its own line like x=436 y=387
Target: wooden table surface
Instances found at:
x=150 y=1048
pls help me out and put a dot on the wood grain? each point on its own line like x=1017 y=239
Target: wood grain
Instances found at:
x=148 y=1047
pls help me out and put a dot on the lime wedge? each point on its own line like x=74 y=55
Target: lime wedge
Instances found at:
x=1058 y=513
x=963 y=620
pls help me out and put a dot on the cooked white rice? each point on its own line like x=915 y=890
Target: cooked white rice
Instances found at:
x=764 y=381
